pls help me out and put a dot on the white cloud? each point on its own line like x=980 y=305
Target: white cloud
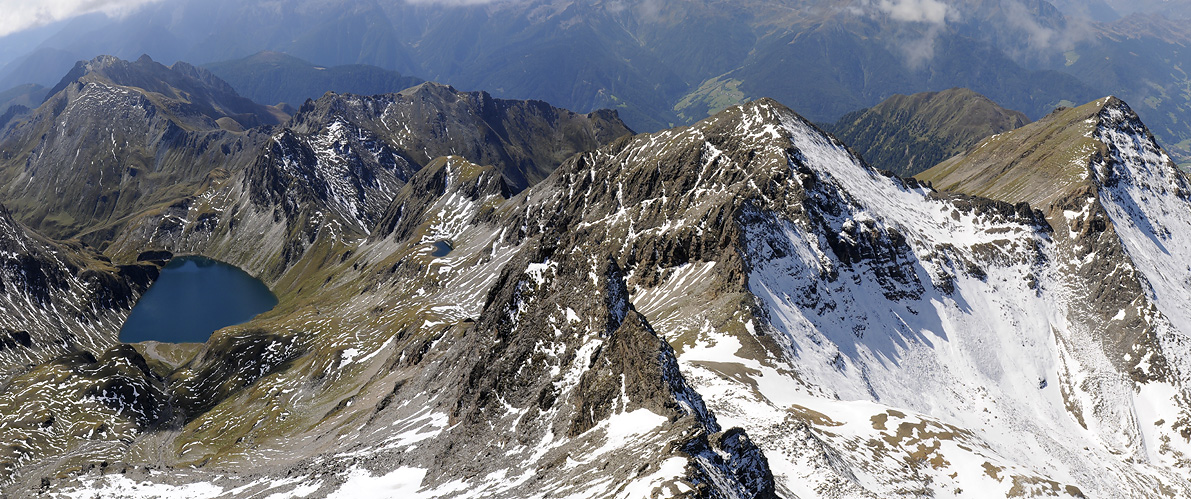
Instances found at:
x=1043 y=39
x=20 y=15
x=919 y=49
x=919 y=24
x=922 y=11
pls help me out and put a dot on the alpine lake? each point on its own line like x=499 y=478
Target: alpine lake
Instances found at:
x=194 y=297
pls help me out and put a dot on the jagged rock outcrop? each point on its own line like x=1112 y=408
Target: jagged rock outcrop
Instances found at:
x=526 y=139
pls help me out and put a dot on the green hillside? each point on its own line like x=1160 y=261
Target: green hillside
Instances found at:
x=907 y=134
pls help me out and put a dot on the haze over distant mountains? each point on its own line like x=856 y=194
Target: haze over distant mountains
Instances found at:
x=273 y=77
x=665 y=63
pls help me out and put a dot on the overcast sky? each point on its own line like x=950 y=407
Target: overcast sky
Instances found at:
x=17 y=15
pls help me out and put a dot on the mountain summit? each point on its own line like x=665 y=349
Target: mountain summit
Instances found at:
x=1115 y=200
x=116 y=137
x=189 y=94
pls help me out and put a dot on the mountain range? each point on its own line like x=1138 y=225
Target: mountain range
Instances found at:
x=664 y=63
x=482 y=297
x=115 y=137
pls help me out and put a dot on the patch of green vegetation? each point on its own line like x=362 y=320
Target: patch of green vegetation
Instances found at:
x=712 y=96
x=1071 y=56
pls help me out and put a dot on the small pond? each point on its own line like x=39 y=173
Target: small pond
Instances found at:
x=441 y=249
x=193 y=297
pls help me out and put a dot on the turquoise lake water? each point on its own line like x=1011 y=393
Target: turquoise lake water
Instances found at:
x=193 y=298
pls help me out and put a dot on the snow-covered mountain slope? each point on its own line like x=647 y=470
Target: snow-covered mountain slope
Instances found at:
x=942 y=309
x=872 y=335
x=61 y=306
x=740 y=308
x=1118 y=223
x=1118 y=215
x=790 y=276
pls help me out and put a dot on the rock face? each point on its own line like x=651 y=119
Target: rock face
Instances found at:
x=907 y=134
x=353 y=152
x=740 y=308
x=62 y=306
x=525 y=138
x=58 y=299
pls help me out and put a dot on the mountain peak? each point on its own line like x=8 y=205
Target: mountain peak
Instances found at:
x=1115 y=113
x=104 y=60
x=1109 y=192
x=193 y=90
x=107 y=122
x=430 y=88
